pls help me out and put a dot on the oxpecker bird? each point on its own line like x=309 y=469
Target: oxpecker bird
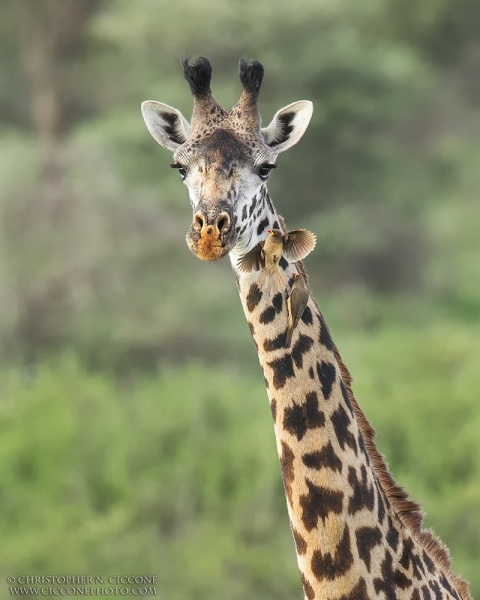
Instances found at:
x=296 y=304
x=265 y=256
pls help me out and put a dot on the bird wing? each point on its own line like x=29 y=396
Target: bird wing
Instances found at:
x=252 y=261
x=298 y=245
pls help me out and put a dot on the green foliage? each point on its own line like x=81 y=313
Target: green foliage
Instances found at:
x=112 y=460
x=146 y=476
x=105 y=268
x=176 y=475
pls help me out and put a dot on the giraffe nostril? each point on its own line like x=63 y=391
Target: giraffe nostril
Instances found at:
x=223 y=222
x=198 y=222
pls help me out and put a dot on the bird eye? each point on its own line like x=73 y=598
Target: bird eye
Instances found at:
x=181 y=169
x=264 y=171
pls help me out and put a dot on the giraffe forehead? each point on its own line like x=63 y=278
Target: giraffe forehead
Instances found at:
x=223 y=148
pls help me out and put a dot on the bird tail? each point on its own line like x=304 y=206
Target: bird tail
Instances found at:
x=263 y=280
x=277 y=281
x=271 y=282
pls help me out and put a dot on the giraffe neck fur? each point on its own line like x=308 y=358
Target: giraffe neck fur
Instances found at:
x=352 y=541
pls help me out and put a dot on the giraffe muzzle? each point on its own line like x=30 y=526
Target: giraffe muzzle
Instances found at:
x=211 y=235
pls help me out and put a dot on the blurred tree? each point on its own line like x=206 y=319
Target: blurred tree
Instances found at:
x=51 y=39
x=91 y=219
x=93 y=258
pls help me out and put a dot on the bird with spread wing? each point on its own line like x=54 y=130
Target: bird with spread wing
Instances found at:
x=265 y=256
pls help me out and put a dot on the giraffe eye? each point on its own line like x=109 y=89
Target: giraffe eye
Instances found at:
x=181 y=169
x=264 y=171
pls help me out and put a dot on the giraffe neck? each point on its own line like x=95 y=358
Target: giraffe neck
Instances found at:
x=356 y=533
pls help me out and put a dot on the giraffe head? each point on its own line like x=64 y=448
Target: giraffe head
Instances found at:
x=224 y=157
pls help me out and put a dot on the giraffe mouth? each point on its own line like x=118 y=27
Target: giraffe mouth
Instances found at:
x=211 y=236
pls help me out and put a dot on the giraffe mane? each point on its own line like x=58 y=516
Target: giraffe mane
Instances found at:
x=408 y=511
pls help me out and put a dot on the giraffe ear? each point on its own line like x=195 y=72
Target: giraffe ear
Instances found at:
x=288 y=125
x=166 y=124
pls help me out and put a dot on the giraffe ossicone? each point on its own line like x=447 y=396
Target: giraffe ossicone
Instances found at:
x=357 y=535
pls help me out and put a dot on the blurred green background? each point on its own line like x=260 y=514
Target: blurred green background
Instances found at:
x=136 y=436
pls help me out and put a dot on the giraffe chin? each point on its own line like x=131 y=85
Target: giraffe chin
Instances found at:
x=208 y=247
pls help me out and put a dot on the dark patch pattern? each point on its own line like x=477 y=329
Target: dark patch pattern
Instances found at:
x=415 y=595
x=307 y=588
x=341 y=422
x=326 y=566
x=426 y=593
x=390 y=579
x=359 y=592
x=367 y=539
x=428 y=562
x=269 y=314
x=318 y=503
x=262 y=226
x=275 y=344
x=363 y=495
x=307 y=316
x=363 y=450
x=283 y=263
x=299 y=418
x=252 y=206
x=380 y=507
x=267 y=385
x=244 y=213
x=436 y=590
x=327 y=375
x=277 y=302
x=345 y=397
x=325 y=337
x=444 y=581
x=282 y=370
x=325 y=458
x=311 y=373
x=392 y=535
x=270 y=206
x=254 y=296
x=409 y=557
x=300 y=543
x=288 y=473
x=301 y=347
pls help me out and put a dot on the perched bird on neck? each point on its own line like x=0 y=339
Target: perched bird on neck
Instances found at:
x=265 y=256
x=296 y=304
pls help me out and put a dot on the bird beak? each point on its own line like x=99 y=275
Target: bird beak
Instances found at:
x=270 y=232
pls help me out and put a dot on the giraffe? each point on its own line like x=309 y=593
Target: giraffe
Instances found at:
x=357 y=534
